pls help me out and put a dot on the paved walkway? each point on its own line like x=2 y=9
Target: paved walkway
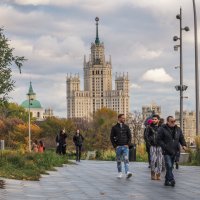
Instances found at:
x=97 y=180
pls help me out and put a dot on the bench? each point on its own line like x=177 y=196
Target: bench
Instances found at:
x=91 y=154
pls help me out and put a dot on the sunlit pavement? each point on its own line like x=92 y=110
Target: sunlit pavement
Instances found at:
x=97 y=180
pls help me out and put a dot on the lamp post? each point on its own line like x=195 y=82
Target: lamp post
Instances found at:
x=29 y=122
x=196 y=68
x=180 y=87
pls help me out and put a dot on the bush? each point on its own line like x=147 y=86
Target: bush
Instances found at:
x=28 y=166
x=141 y=154
x=108 y=155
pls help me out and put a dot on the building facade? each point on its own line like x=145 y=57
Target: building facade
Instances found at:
x=189 y=125
x=36 y=110
x=98 y=92
x=148 y=110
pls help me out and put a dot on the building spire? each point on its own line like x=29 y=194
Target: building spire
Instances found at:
x=30 y=91
x=97 y=41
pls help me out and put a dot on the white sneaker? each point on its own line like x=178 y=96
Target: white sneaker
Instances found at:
x=129 y=174
x=120 y=175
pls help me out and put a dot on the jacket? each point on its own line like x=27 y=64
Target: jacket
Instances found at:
x=169 y=139
x=78 y=139
x=151 y=134
x=120 y=135
x=61 y=138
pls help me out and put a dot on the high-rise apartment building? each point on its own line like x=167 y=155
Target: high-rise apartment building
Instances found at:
x=189 y=125
x=97 y=91
x=148 y=110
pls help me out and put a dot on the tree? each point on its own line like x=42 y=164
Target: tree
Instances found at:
x=6 y=60
x=135 y=122
x=13 y=110
x=103 y=121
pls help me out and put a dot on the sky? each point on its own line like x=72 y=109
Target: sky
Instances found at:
x=138 y=34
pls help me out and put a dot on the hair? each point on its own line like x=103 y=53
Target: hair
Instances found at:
x=120 y=115
x=157 y=116
x=161 y=121
x=169 y=117
x=35 y=141
x=41 y=143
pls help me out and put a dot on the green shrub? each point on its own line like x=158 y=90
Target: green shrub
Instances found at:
x=29 y=166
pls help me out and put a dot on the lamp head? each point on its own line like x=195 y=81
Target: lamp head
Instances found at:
x=176 y=47
x=175 y=38
x=177 y=87
x=186 y=28
x=178 y=16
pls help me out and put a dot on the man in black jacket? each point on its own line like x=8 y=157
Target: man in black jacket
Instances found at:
x=78 y=142
x=169 y=137
x=61 y=142
x=121 y=139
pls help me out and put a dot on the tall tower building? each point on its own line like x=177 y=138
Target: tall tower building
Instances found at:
x=148 y=110
x=98 y=91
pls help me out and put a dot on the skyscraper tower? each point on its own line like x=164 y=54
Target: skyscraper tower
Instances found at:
x=98 y=91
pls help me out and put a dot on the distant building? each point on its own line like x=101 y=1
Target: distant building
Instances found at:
x=48 y=112
x=189 y=125
x=148 y=110
x=36 y=109
x=98 y=91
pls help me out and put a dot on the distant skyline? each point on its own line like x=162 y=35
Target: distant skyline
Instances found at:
x=55 y=35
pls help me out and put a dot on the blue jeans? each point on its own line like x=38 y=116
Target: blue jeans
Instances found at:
x=169 y=162
x=122 y=154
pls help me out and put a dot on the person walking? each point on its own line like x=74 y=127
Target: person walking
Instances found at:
x=169 y=137
x=61 y=142
x=121 y=139
x=155 y=150
x=149 y=121
x=78 y=142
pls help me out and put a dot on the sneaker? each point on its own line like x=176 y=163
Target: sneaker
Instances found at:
x=120 y=175
x=173 y=183
x=167 y=183
x=170 y=183
x=128 y=175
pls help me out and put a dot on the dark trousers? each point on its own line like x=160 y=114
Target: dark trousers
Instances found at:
x=169 y=162
x=78 y=152
x=148 y=153
x=61 y=149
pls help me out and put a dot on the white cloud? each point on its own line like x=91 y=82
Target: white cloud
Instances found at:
x=55 y=34
x=157 y=75
x=134 y=85
x=146 y=53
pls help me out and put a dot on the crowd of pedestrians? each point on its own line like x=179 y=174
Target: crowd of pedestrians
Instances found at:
x=62 y=144
x=163 y=143
x=163 y=146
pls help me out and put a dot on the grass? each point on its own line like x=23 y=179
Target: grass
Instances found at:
x=29 y=166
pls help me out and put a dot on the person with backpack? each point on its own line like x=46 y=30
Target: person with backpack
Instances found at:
x=78 y=142
x=155 y=150
x=121 y=140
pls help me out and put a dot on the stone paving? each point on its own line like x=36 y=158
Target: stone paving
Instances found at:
x=97 y=180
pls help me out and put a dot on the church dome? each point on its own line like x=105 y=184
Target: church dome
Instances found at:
x=33 y=104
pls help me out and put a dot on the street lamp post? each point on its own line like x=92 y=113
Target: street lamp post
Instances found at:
x=196 y=69
x=180 y=87
x=29 y=122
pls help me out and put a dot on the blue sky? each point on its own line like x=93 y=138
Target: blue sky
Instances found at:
x=55 y=35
